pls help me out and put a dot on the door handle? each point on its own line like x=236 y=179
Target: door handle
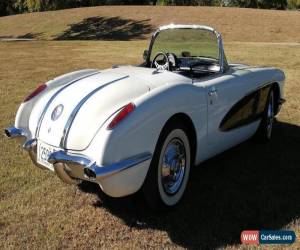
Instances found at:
x=213 y=91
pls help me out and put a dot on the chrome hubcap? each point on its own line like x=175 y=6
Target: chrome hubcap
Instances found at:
x=270 y=117
x=173 y=166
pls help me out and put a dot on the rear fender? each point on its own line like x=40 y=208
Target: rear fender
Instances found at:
x=138 y=133
x=29 y=112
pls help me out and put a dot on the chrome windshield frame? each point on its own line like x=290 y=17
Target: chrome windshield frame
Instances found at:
x=222 y=58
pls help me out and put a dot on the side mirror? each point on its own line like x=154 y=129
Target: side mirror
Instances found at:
x=145 y=55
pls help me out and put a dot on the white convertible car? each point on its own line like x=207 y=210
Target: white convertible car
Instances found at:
x=131 y=128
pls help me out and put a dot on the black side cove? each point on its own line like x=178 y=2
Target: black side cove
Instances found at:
x=247 y=110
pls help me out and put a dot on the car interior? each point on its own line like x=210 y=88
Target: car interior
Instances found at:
x=190 y=52
x=191 y=66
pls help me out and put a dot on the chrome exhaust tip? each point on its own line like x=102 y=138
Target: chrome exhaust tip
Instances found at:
x=7 y=132
x=71 y=167
x=97 y=173
x=13 y=132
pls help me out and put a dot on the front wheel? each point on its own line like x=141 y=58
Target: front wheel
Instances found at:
x=264 y=132
x=169 y=170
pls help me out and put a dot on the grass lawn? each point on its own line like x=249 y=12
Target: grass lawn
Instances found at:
x=249 y=187
x=137 y=22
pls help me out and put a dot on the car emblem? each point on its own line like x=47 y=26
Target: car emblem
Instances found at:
x=57 y=111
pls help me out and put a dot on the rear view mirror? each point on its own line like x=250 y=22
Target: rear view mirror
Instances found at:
x=145 y=55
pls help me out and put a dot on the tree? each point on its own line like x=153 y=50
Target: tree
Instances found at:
x=3 y=7
x=261 y=4
x=293 y=4
x=7 y=7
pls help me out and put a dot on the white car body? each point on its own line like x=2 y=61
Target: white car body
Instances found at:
x=120 y=157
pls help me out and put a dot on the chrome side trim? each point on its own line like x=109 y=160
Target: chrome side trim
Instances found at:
x=222 y=58
x=67 y=158
x=13 y=132
x=99 y=173
x=30 y=144
x=55 y=95
x=63 y=142
x=263 y=85
x=81 y=167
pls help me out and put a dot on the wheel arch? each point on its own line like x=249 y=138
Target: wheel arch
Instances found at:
x=275 y=87
x=192 y=134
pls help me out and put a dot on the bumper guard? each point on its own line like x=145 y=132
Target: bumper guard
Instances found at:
x=73 y=167
x=81 y=167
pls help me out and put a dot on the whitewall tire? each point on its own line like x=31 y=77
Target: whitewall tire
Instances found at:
x=169 y=171
x=264 y=131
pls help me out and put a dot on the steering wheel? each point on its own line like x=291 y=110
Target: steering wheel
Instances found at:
x=161 y=61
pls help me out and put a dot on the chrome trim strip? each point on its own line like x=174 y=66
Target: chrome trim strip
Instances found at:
x=67 y=158
x=30 y=144
x=263 y=85
x=222 y=58
x=88 y=166
x=185 y=26
x=63 y=142
x=13 y=132
x=102 y=172
x=55 y=95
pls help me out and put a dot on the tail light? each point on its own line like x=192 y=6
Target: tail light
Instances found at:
x=123 y=113
x=38 y=90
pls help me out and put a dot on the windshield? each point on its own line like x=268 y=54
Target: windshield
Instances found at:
x=188 y=43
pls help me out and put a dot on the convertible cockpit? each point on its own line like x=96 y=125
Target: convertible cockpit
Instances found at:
x=186 y=49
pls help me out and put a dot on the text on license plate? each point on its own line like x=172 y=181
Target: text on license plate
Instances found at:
x=43 y=152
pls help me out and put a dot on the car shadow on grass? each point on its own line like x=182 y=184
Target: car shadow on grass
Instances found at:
x=251 y=186
x=27 y=36
x=107 y=29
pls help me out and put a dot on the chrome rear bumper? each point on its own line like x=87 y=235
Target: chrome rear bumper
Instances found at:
x=80 y=167
x=71 y=167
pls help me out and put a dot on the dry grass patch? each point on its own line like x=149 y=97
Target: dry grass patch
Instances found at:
x=135 y=22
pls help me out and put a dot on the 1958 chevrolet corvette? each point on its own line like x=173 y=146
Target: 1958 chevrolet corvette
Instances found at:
x=131 y=128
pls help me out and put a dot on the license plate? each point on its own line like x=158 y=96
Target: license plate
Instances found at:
x=43 y=152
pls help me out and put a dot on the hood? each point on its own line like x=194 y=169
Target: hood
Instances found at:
x=78 y=111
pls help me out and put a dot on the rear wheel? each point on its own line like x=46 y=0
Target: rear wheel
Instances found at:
x=264 y=131
x=169 y=169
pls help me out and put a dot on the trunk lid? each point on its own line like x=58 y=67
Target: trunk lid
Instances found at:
x=78 y=112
